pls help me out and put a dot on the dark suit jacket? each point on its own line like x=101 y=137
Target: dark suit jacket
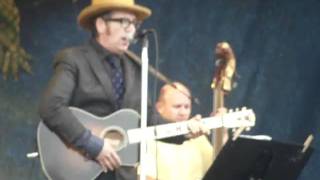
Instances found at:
x=81 y=80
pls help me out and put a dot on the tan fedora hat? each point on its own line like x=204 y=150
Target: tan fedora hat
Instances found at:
x=98 y=7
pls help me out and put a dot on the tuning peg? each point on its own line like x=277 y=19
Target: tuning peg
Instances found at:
x=248 y=128
x=244 y=108
x=230 y=110
x=237 y=109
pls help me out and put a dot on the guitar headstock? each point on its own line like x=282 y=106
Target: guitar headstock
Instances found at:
x=225 y=67
x=239 y=118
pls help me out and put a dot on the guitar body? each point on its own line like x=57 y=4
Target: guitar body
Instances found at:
x=60 y=162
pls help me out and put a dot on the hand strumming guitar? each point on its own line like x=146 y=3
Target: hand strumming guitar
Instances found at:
x=108 y=157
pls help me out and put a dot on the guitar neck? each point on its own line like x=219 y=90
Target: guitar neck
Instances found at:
x=169 y=130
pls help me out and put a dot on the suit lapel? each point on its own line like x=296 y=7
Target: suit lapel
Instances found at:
x=132 y=84
x=100 y=71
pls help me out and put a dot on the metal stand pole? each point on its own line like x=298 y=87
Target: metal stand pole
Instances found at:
x=144 y=104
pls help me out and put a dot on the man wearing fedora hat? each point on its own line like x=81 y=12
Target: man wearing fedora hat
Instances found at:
x=98 y=77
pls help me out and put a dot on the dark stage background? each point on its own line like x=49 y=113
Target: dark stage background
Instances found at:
x=276 y=45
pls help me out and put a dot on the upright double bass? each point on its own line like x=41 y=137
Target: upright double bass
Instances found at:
x=225 y=66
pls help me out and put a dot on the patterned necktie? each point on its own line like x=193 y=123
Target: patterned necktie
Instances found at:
x=117 y=79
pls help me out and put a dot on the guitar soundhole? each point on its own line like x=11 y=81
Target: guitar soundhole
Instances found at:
x=116 y=137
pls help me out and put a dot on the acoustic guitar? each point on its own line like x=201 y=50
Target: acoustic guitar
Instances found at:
x=60 y=161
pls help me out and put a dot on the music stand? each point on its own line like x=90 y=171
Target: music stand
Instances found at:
x=250 y=159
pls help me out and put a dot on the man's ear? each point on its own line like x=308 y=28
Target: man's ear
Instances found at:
x=159 y=107
x=101 y=25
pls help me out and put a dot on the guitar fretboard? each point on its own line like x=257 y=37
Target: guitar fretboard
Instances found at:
x=235 y=119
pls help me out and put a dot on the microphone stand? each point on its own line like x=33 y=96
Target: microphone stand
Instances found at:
x=144 y=104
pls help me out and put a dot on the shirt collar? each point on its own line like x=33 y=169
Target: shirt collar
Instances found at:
x=102 y=52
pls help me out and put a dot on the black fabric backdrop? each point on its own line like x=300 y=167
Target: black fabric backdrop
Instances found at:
x=277 y=50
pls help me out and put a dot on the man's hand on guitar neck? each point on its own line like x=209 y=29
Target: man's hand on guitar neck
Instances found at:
x=108 y=157
x=196 y=128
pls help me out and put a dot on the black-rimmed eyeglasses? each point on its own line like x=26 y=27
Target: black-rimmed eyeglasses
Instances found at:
x=125 y=23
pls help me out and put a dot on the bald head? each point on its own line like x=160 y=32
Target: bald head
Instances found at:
x=174 y=103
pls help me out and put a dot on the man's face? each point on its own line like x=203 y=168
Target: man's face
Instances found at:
x=175 y=106
x=119 y=29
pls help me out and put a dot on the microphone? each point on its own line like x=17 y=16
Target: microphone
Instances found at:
x=141 y=34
